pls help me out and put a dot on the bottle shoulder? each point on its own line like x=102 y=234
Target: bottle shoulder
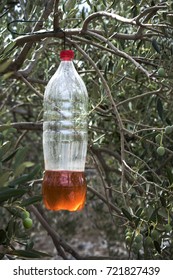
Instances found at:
x=66 y=81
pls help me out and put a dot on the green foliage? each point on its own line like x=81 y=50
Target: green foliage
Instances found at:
x=14 y=192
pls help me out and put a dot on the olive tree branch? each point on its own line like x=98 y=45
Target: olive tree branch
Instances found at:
x=20 y=139
x=148 y=13
x=118 y=52
x=42 y=34
x=109 y=204
x=145 y=15
x=106 y=14
x=25 y=72
x=29 y=85
x=145 y=163
x=25 y=126
x=57 y=15
x=132 y=21
x=38 y=34
x=146 y=140
x=36 y=81
x=59 y=243
x=99 y=169
x=23 y=54
x=139 y=96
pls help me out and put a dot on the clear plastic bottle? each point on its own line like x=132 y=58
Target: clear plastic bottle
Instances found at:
x=65 y=138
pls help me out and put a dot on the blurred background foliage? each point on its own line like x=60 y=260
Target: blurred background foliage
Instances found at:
x=130 y=150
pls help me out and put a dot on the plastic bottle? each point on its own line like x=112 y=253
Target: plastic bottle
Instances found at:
x=65 y=138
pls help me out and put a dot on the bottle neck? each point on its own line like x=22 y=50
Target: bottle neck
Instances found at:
x=67 y=66
x=67 y=61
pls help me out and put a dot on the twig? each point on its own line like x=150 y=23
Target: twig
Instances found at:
x=104 y=184
x=36 y=81
x=145 y=163
x=111 y=205
x=148 y=11
x=25 y=72
x=57 y=240
x=146 y=140
x=20 y=139
x=105 y=168
x=139 y=96
x=6 y=93
x=26 y=126
x=118 y=52
x=85 y=41
x=50 y=231
x=30 y=86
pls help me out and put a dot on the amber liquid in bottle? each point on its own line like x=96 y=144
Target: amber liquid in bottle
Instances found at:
x=64 y=190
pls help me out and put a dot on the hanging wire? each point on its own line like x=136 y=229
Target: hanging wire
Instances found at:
x=20 y=21
x=64 y=38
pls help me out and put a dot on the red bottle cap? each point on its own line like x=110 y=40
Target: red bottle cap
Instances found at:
x=67 y=55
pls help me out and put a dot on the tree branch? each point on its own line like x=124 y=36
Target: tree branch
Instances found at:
x=57 y=240
x=25 y=126
x=106 y=14
x=150 y=12
x=30 y=86
x=118 y=52
x=36 y=36
x=25 y=72
x=57 y=16
x=22 y=56
x=111 y=205
x=139 y=96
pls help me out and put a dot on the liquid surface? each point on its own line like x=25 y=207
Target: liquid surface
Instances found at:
x=64 y=190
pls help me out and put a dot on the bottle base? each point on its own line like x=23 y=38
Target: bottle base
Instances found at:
x=64 y=190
